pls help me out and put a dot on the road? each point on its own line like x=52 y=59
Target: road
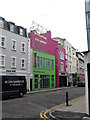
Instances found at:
x=31 y=105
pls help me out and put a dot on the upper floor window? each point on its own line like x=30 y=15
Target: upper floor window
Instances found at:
x=61 y=55
x=40 y=62
x=21 y=31
x=2 y=60
x=23 y=63
x=13 y=44
x=2 y=41
x=51 y=62
x=11 y=27
x=62 y=67
x=47 y=63
x=1 y=23
x=23 y=47
x=13 y=62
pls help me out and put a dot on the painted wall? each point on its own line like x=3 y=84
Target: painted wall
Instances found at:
x=45 y=43
x=44 y=70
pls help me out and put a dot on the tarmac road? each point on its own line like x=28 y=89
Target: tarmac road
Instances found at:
x=31 y=105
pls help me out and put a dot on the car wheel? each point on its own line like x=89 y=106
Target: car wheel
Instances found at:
x=21 y=94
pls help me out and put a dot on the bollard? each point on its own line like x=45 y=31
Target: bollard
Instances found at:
x=66 y=98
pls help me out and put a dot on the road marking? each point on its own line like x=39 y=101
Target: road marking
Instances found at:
x=43 y=113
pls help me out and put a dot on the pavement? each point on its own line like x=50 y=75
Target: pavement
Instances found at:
x=76 y=110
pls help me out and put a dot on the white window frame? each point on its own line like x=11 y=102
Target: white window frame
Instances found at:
x=63 y=67
x=21 y=31
x=1 y=41
x=12 y=62
x=2 y=60
x=11 y=27
x=61 y=55
x=24 y=47
x=1 y=23
x=23 y=63
x=15 y=44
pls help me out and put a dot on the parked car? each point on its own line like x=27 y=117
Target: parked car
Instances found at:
x=81 y=83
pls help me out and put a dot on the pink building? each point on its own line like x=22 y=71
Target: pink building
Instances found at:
x=44 y=43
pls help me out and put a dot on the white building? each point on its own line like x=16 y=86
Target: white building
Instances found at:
x=13 y=50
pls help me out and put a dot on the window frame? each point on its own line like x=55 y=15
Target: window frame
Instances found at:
x=63 y=67
x=23 y=63
x=2 y=60
x=12 y=27
x=15 y=44
x=2 y=41
x=24 y=47
x=12 y=62
x=1 y=24
x=21 y=31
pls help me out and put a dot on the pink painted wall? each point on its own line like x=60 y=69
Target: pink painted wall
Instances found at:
x=45 y=43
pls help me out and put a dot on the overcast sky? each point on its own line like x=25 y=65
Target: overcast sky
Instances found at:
x=64 y=18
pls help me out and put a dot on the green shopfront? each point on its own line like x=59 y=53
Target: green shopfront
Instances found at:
x=43 y=70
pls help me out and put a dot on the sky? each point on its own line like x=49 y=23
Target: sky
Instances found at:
x=64 y=18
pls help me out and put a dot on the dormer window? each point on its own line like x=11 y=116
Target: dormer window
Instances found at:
x=1 y=23
x=11 y=27
x=21 y=31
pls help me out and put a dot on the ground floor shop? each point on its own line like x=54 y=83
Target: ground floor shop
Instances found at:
x=62 y=80
x=43 y=81
x=43 y=70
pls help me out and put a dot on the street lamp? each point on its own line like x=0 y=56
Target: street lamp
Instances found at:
x=87 y=57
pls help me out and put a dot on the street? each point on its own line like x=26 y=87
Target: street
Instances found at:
x=31 y=105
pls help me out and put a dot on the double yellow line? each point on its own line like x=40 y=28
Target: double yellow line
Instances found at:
x=43 y=113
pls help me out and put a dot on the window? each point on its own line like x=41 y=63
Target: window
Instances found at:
x=3 y=41
x=61 y=55
x=47 y=63
x=62 y=67
x=37 y=62
x=2 y=60
x=21 y=31
x=11 y=27
x=51 y=62
x=23 y=63
x=1 y=23
x=23 y=47
x=13 y=44
x=43 y=63
x=40 y=62
x=13 y=62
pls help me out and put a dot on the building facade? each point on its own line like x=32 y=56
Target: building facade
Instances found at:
x=44 y=43
x=13 y=50
x=70 y=59
x=80 y=66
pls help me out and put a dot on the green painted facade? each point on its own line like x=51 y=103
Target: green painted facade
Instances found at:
x=44 y=71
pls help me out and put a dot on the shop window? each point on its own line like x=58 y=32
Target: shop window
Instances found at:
x=52 y=81
x=36 y=81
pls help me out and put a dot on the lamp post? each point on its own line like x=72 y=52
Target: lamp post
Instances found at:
x=87 y=58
